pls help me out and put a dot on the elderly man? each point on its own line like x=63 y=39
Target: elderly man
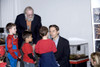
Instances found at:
x=28 y=21
x=62 y=44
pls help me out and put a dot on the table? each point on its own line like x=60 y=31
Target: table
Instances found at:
x=79 y=63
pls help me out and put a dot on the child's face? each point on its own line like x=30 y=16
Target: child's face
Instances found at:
x=13 y=30
x=92 y=61
x=30 y=38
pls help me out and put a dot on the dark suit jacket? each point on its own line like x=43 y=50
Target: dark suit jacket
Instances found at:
x=63 y=52
x=22 y=26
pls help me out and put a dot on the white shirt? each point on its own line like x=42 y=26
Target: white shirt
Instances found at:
x=56 y=41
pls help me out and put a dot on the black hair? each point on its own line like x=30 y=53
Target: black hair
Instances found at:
x=26 y=34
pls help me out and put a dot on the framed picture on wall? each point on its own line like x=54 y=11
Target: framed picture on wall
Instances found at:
x=96 y=15
x=96 y=26
x=97 y=31
x=97 y=46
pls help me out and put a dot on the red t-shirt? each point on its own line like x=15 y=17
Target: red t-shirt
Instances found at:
x=3 y=64
x=45 y=46
x=27 y=49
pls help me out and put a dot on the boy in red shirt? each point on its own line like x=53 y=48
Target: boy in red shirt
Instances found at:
x=2 y=53
x=28 y=57
x=11 y=44
x=46 y=48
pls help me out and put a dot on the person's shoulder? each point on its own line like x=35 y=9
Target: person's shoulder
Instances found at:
x=10 y=37
x=64 y=39
x=21 y=15
x=50 y=40
x=37 y=15
x=39 y=41
x=26 y=45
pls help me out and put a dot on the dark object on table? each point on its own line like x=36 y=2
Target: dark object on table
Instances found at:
x=1 y=30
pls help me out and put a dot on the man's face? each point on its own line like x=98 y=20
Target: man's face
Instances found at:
x=53 y=32
x=13 y=30
x=29 y=15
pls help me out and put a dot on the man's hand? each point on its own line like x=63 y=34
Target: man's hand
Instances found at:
x=20 y=57
x=34 y=62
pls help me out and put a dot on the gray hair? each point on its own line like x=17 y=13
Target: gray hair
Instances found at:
x=28 y=8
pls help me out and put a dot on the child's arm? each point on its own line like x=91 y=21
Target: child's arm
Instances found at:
x=28 y=50
x=19 y=54
x=10 y=50
x=31 y=56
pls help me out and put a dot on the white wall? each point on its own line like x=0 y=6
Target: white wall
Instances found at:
x=7 y=11
x=72 y=16
x=95 y=3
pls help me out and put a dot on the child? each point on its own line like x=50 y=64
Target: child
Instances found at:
x=2 y=53
x=12 y=45
x=95 y=59
x=28 y=57
x=46 y=48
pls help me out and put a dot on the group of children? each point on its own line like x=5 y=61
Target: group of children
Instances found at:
x=45 y=48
